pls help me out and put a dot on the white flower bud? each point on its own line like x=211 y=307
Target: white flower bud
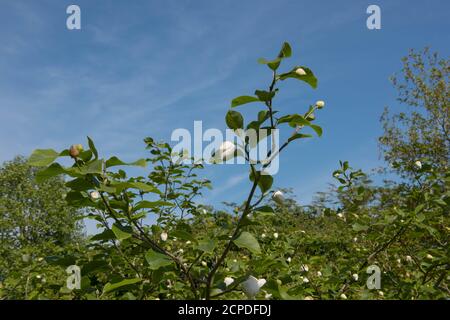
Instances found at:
x=355 y=276
x=343 y=296
x=275 y=235
x=408 y=259
x=418 y=164
x=94 y=195
x=305 y=280
x=164 y=236
x=225 y=152
x=268 y=296
x=319 y=274
x=300 y=72
x=308 y=298
x=204 y=263
x=252 y=286
x=304 y=268
x=278 y=197
x=320 y=104
x=381 y=293
x=188 y=242
x=228 y=281
x=340 y=216
x=263 y=235
x=289 y=259
x=429 y=256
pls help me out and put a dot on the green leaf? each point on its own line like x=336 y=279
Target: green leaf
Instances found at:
x=182 y=235
x=264 y=180
x=286 y=51
x=317 y=129
x=93 y=167
x=359 y=227
x=207 y=245
x=53 y=170
x=114 y=286
x=243 y=100
x=309 y=77
x=135 y=185
x=107 y=234
x=265 y=95
x=42 y=157
x=299 y=136
x=273 y=64
x=152 y=204
x=114 y=161
x=248 y=241
x=121 y=232
x=234 y=120
x=157 y=260
x=92 y=148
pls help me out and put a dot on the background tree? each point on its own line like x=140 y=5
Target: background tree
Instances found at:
x=34 y=218
x=421 y=133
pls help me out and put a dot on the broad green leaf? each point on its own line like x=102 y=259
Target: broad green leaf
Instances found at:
x=42 y=157
x=93 y=167
x=121 y=232
x=157 y=260
x=117 y=285
x=243 y=100
x=309 y=77
x=264 y=95
x=114 y=161
x=317 y=129
x=248 y=241
x=152 y=204
x=51 y=171
x=207 y=245
x=135 y=185
x=182 y=235
x=299 y=136
x=92 y=148
x=234 y=120
x=359 y=227
x=285 y=51
x=107 y=234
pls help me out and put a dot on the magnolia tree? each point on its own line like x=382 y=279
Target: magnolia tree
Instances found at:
x=168 y=256
x=360 y=242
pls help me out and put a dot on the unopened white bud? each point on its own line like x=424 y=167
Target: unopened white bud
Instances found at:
x=300 y=72
x=164 y=236
x=320 y=104
x=278 y=197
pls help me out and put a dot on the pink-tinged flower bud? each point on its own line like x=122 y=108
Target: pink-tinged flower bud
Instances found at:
x=75 y=150
x=300 y=72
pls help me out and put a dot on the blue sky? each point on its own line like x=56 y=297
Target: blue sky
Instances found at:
x=145 y=68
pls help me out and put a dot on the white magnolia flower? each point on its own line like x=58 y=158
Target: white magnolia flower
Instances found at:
x=252 y=286
x=278 y=197
x=164 y=236
x=408 y=258
x=289 y=259
x=343 y=296
x=320 y=104
x=300 y=72
x=429 y=256
x=319 y=274
x=304 y=268
x=418 y=164
x=305 y=280
x=228 y=281
x=275 y=235
x=94 y=195
x=225 y=152
x=355 y=276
